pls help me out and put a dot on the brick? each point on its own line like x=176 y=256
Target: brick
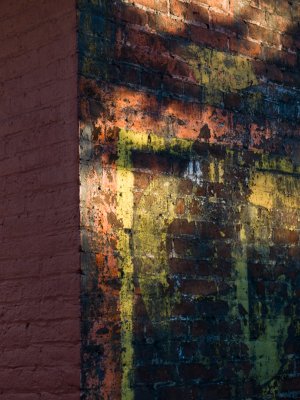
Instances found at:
x=52 y=378
x=45 y=355
x=161 y=6
x=131 y=15
x=245 y=47
x=251 y=13
x=264 y=35
x=39 y=71
x=221 y=5
x=179 y=328
x=159 y=373
x=190 y=12
x=291 y=384
x=217 y=40
x=184 y=309
x=176 y=393
x=199 y=287
x=182 y=226
x=192 y=248
x=285 y=236
x=221 y=391
x=196 y=371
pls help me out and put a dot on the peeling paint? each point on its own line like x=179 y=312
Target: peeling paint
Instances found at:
x=148 y=223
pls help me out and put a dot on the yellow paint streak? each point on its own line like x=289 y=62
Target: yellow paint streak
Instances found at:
x=271 y=186
x=216 y=171
x=125 y=181
x=124 y=214
x=264 y=350
x=242 y=281
x=130 y=140
x=274 y=190
x=154 y=213
x=150 y=243
x=220 y=72
x=269 y=191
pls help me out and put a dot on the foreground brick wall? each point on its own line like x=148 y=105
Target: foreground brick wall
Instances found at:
x=189 y=199
x=39 y=260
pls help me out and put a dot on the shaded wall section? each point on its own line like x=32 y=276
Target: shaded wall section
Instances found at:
x=189 y=118
x=39 y=258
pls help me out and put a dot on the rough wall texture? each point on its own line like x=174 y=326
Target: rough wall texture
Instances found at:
x=39 y=218
x=190 y=163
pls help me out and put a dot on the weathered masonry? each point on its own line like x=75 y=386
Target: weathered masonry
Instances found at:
x=176 y=204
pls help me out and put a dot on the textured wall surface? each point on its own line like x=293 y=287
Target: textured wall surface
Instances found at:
x=190 y=178
x=39 y=218
x=189 y=199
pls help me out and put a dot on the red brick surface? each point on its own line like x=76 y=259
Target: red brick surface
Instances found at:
x=39 y=217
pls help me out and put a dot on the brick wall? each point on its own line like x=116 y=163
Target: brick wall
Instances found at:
x=39 y=260
x=189 y=182
x=189 y=117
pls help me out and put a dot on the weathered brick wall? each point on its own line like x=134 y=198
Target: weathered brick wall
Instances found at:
x=39 y=258
x=190 y=167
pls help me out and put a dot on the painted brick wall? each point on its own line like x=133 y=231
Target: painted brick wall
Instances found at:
x=189 y=117
x=39 y=258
